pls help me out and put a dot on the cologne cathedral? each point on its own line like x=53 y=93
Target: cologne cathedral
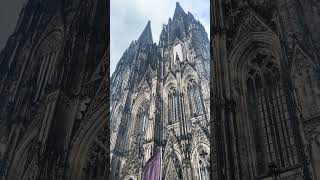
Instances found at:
x=160 y=97
x=265 y=90
x=53 y=92
x=244 y=107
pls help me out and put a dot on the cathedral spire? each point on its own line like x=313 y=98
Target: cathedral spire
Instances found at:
x=179 y=12
x=146 y=35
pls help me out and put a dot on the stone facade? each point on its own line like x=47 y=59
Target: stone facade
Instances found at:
x=265 y=89
x=53 y=86
x=160 y=98
x=260 y=118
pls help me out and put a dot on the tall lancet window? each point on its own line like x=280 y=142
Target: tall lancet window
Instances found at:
x=46 y=57
x=269 y=111
x=45 y=72
x=195 y=104
x=173 y=106
x=141 y=119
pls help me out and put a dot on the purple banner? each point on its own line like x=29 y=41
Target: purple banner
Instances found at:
x=153 y=167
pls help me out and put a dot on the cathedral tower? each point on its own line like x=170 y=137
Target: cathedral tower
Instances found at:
x=160 y=98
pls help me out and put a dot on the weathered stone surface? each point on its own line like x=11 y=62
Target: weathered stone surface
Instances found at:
x=53 y=90
x=265 y=104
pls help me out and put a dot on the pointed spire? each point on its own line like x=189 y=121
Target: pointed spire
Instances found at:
x=146 y=35
x=179 y=11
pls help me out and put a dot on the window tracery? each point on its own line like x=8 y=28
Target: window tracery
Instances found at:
x=140 y=133
x=46 y=69
x=173 y=107
x=141 y=119
x=195 y=103
x=267 y=100
x=47 y=55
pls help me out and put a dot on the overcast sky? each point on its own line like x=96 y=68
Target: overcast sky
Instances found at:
x=129 y=17
x=9 y=13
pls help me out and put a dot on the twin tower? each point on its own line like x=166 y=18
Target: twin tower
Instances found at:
x=160 y=97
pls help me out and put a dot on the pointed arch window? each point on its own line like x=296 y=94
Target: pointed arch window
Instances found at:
x=141 y=119
x=173 y=106
x=269 y=109
x=46 y=56
x=45 y=71
x=194 y=98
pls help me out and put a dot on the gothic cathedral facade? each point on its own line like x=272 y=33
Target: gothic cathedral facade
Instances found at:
x=160 y=98
x=53 y=92
x=266 y=84
x=246 y=106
